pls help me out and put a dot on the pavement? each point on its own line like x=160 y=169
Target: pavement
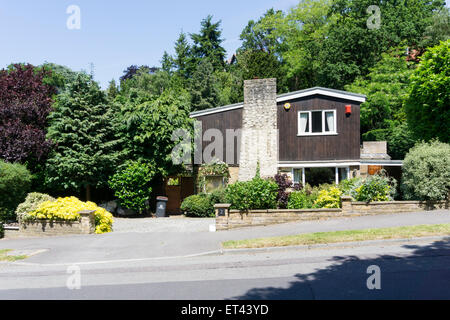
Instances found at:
x=165 y=238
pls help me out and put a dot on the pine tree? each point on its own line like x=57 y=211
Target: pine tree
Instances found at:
x=167 y=63
x=204 y=87
x=207 y=43
x=182 y=57
x=112 y=90
x=82 y=126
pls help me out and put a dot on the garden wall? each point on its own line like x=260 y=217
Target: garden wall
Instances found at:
x=229 y=219
x=38 y=228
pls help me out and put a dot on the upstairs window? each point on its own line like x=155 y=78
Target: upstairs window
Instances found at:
x=321 y=122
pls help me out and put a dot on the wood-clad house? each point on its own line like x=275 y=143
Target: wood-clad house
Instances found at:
x=293 y=133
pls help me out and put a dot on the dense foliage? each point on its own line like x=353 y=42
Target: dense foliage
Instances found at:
x=25 y=102
x=257 y=193
x=132 y=185
x=198 y=206
x=426 y=172
x=83 y=126
x=15 y=182
x=428 y=102
x=31 y=203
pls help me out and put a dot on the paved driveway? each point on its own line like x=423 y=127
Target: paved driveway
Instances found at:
x=175 y=224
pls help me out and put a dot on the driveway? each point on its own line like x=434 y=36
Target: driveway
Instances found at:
x=173 y=224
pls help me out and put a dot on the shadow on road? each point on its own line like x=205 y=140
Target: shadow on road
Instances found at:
x=424 y=273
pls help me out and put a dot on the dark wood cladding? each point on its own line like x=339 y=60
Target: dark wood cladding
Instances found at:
x=223 y=121
x=343 y=146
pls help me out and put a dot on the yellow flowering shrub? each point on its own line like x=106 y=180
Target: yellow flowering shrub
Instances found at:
x=329 y=198
x=66 y=209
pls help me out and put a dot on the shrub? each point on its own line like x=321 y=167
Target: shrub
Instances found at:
x=284 y=183
x=255 y=194
x=329 y=198
x=198 y=206
x=15 y=181
x=378 y=187
x=301 y=200
x=131 y=185
x=218 y=196
x=66 y=209
x=32 y=202
x=426 y=172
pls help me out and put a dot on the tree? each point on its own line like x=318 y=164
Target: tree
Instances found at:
x=57 y=76
x=208 y=43
x=258 y=64
x=112 y=90
x=132 y=70
x=386 y=88
x=83 y=127
x=182 y=57
x=167 y=63
x=428 y=101
x=204 y=87
x=148 y=125
x=439 y=30
x=262 y=35
x=351 y=48
x=25 y=102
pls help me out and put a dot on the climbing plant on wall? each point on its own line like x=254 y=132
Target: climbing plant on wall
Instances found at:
x=214 y=169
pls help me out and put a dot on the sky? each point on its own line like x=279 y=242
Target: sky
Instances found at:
x=115 y=34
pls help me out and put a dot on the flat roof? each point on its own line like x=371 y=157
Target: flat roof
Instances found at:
x=290 y=96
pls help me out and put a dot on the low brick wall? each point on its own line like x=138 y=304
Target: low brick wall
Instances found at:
x=237 y=219
x=38 y=228
x=229 y=219
x=372 y=208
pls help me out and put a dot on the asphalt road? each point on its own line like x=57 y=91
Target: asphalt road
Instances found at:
x=409 y=270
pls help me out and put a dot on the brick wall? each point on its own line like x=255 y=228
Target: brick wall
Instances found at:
x=38 y=228
x=229 y=219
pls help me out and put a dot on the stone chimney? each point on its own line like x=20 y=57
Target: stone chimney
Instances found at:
x=259 y=142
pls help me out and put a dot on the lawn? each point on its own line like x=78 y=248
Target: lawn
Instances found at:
x=342 y=236
x=5 y=257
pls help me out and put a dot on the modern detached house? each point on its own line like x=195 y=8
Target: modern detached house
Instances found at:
x=308 y=134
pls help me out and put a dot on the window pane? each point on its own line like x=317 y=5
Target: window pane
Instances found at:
x=329 y=122
x=316 y=121
x=304 y=122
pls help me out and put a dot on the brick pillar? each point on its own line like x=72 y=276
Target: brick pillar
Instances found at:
x=259 y=141
x=222 y=214
x=347 y=205
x=87 y=223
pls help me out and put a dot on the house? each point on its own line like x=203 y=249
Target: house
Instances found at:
x=311 y=134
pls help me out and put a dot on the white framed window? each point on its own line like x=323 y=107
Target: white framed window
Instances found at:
x=317 y=122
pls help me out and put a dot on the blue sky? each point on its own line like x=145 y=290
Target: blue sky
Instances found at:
x=115 y=34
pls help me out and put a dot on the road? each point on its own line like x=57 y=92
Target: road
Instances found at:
x=418 y=269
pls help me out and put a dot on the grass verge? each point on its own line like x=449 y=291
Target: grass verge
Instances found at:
x=342 y=236
x=5 y=257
